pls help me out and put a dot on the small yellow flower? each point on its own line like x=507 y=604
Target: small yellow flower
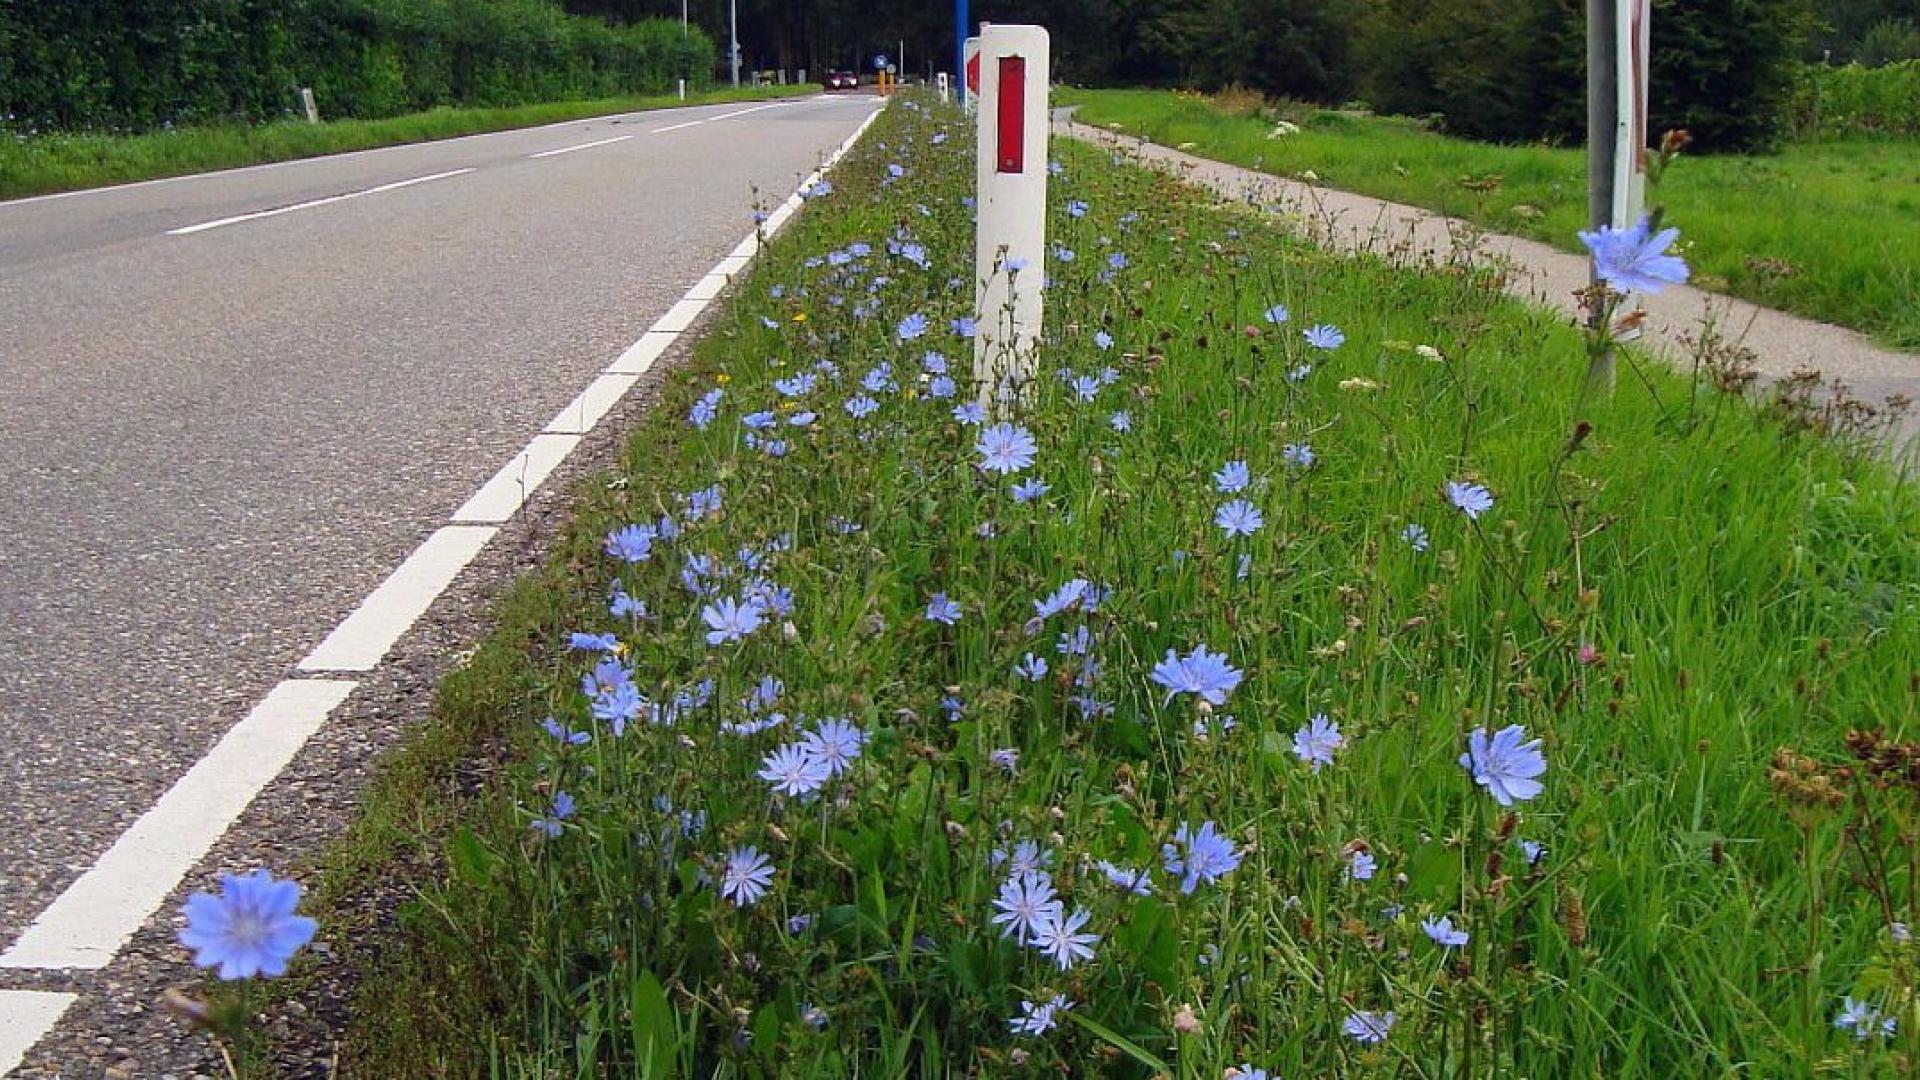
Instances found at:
x=723 y=378
x=799 y=316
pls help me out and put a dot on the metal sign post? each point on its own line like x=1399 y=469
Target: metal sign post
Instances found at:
x=960 y=24
x=1011 y=207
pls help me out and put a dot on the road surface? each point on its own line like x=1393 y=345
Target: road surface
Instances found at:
x=232 y=404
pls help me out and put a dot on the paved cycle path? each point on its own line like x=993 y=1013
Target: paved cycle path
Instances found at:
x=1782 y=343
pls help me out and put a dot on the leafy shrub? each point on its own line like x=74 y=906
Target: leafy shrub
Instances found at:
x=1890 y=41
x=1857 y=100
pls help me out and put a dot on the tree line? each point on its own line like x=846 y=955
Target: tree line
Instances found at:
x=135 y=65
x=1509 y=70
x=1497 y=69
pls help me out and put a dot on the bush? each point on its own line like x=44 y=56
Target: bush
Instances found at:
x=1890 y=41
x=1856 y=100
x=142 y=64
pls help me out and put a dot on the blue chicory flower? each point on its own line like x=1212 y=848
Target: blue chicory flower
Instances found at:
x=1505 y=763
x=1635 y=259
x=249 y=928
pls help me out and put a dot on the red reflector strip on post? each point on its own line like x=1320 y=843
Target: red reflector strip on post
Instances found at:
x=1012 y=147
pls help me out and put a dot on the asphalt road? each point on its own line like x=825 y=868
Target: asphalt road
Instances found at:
x=215 y=442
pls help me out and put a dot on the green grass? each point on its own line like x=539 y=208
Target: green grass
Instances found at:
x=1737 y=587
x=41 y=164
x=1825 y=229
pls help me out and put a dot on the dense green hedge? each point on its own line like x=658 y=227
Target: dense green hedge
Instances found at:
x=1856 y=100
x=142 y=64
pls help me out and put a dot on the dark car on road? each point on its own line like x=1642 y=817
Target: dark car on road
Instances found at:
x=841 y=80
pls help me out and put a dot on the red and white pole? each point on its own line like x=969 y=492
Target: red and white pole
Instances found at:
x=1011 y=207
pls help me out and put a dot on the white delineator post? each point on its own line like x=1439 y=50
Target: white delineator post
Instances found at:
x=1010 y=192
x=1632 y=21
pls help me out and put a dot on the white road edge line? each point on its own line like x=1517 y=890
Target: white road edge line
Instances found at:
x=581 y=146
x=86 y=926
x=26 y=1015
x=502 y=497
x=277 y=211
x=88 y=923
x=369 y=630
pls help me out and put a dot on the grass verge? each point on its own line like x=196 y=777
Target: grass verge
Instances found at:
x=1824 y=229
x=42 y=164
x=1688 y=603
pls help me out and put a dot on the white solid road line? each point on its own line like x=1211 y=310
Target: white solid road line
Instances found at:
x=86 y=926
x=25 y=1015
x=581 y=146
x=89 y=922
x=367 y=632
x=258 y=214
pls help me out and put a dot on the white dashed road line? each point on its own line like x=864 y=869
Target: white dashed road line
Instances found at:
x=86 y=926
x=297 y=162
x=743 y=112
x=581 y=146
x=277 y=211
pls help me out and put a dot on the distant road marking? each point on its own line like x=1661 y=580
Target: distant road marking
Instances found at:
x=88 y=923
x=258 y=214
x=743 y=112
x=582 y=146
x=291 y=163
x=25 y=1015
x=722 y=116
